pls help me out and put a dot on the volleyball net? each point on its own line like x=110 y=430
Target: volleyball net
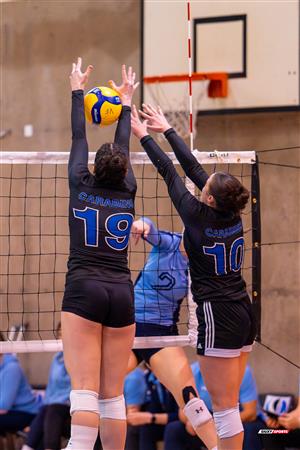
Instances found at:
x=35 y=241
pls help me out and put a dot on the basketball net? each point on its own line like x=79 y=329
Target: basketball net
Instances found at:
x=179 y=117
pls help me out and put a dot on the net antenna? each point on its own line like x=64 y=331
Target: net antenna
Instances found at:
x=180 y=107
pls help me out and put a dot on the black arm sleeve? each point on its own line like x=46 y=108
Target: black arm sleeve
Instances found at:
x=186 y=204
x=122 y=138
x=189 y=163
x=78 y=159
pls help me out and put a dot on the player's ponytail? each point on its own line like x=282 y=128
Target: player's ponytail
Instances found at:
x=111 y=164
x=228 y=192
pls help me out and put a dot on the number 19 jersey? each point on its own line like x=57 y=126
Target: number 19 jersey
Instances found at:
x=100 y=220
x=100 y=215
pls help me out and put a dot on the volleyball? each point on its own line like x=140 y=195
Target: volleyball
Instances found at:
x=102 y=106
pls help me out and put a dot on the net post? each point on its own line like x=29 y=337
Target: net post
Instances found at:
x=256 y=245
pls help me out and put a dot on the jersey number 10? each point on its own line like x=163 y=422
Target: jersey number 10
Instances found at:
x=117 y=226
x=236 y=256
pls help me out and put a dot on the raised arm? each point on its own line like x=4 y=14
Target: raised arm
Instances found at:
x=158 y=122
x=144 y=228
x=78 y=159
x=186 y=204
x=125 y=91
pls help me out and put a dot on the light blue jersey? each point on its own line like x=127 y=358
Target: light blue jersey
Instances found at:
x=59 y=383
x=248 y=389
x=163 y=282
x=15 y=392
x=135 y=388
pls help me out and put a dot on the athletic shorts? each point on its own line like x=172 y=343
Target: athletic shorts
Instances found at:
x=111 y=304
x=150 y=329
x=225 y=329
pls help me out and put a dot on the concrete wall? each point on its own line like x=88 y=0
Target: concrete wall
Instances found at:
x=40 y=42
x=280 y=189
x=41 y=39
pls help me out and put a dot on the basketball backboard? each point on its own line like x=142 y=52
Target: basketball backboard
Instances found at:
x=255 y=42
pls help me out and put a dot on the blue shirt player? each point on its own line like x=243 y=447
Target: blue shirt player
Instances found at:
x=159 y=291
x=53 y=419
x=18 y=403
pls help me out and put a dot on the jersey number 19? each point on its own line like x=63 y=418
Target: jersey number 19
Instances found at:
x=117 y=226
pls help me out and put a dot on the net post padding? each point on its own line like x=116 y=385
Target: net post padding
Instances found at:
x=212 y=157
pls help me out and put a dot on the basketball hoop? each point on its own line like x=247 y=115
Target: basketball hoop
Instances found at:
x=172 y=95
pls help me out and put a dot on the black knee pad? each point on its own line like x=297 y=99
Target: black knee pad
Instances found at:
x=186 y=391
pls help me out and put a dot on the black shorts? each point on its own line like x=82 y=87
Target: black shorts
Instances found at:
x=150 y=329
x=225 y=329
x=111 y=304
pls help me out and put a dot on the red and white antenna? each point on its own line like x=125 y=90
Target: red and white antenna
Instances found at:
x=190 y=74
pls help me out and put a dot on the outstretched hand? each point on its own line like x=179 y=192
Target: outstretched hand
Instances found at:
x=78 y=79
x=155 y=117
x=139 y=129
x=128 y=86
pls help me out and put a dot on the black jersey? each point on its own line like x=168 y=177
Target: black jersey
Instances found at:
x=100 y=216
x=213 y=240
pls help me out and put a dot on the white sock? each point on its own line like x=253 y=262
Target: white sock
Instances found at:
x=26 y=447
x=215 y=448
x=82 y=438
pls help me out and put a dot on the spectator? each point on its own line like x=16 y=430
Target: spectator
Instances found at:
x=159 y=409
x=288 y=421
x=135 y=393
x=18 y=404
x=135 y=389
x=53 y=420
x=180 y=435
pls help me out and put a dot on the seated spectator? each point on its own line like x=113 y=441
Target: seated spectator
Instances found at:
x=159 y=409
x=287 y=421
x=135 y=389
x=134 y=392
x=180 y=435
x=18 y=404
x=53 y=421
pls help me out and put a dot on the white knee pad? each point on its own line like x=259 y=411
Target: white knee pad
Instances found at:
x=196 y=411
x=228 y=422
x=84 y=401
x=112 y=408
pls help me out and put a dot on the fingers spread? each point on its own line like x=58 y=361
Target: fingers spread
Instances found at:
x=144 y=115
x=79 y=62
x=134 y=112
x=112 y=84
x=129 y=76
x=124 y=74
x=89 y=70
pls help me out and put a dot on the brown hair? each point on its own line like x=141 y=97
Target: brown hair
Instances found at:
x=228 y=192
x=110 y=164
